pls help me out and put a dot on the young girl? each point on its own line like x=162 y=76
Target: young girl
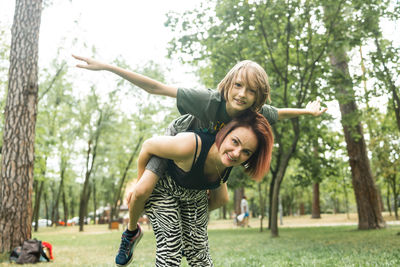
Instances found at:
x=244 y=87
x=177 y=207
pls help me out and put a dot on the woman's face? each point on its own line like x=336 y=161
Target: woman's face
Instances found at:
x=238 y=146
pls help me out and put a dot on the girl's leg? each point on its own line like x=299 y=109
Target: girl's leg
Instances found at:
x=194 y=214
x=131 y=237
x=139 y=196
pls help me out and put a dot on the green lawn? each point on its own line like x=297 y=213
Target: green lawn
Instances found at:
x=309 y=246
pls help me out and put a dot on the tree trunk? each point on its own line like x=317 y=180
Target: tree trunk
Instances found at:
x=118 y=194
x=72 y=203
x=19 y=127
x=90 y=160
x=388 y=199
x=302 y=209
x=46 y=208
x=262 y=206
x=316 y=211
x=395 y=195
x=237 y=197
x=284 y=162
x=94 y=202
x=65 y=207
x=369 y=212
x=38 y=195
x=55 y=216
x=270 y=195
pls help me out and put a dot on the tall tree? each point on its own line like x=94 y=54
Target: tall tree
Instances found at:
x=368 y=207
x=19 y=126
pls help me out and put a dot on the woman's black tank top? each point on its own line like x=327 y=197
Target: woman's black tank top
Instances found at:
x=195 y=178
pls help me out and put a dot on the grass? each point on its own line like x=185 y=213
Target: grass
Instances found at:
x=308 y=246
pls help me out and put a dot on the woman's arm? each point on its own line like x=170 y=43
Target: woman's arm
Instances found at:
x=149 y=85
x=179 y=148
x=312 y=108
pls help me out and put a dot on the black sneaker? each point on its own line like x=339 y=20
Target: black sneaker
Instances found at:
x=128 y=244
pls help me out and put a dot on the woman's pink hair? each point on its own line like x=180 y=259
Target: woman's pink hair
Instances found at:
x=259 y=163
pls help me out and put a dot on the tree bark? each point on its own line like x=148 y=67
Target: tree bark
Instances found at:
x=55 y=212
x=118 y=194
x=65 y=207
x=90 y=160
x=237 y=197
x=369 y=212
x=19 y=127
x=94 y=202
x=316 y=210
x=46 y=208
x=262 y=206
x=38 y=196
x=283 y=164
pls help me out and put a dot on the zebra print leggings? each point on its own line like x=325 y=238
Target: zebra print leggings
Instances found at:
x=179 y=217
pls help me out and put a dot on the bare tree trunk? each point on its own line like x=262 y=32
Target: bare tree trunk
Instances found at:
x=94 y=202
x=316 y=211
x=237 y=197
x=392 y=178
x=302 y=209
x=262 y=206
x=55 y=212
x=284 y=162
x=46 y=208
x=369 y=212
x=65 y=207
x=72 y=203
x=118 y=194
x=388 y=199
x=270 y=195
x=38 y=195
x=90 y=160
x=19 y=127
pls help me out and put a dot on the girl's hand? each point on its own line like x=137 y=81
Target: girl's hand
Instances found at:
x=314 y=108
x=91 y=64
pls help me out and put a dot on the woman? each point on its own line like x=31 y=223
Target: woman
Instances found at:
x=178 y=206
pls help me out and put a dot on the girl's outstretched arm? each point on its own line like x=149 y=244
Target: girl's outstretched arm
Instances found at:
x=313 y=108
x=149 y=85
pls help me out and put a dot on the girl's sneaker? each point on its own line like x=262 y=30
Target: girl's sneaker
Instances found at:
x=128 y=244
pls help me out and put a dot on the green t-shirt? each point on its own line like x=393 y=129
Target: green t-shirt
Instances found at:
x=209 y=110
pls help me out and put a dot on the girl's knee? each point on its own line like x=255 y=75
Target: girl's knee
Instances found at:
x=140 y=193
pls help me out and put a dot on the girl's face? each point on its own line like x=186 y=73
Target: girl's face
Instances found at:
x=240 y=96
x=238 y=146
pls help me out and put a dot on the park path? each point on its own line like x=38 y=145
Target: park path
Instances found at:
x=303 y=221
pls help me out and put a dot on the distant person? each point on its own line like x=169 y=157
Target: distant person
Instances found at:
x=244 y=209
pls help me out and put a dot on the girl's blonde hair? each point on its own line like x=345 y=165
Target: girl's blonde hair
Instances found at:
x=254 y=76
